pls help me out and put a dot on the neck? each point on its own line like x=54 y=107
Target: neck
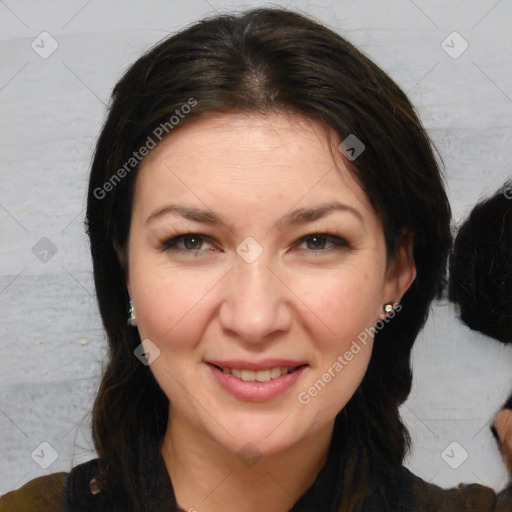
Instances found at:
x=207 y=477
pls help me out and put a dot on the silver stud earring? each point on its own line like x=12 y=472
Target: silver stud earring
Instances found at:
x=388 y=308
x=132 y=317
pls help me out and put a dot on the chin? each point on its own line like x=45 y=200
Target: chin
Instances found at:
x=256 y=439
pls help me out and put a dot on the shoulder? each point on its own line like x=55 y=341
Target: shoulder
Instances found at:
x=44 y=494
x=504 y=503
x=419 y=495
x=58 y=492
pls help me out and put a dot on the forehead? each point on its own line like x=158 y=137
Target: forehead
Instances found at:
x=242 y=159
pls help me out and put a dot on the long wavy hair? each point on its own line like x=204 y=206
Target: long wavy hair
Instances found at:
x=263 y=61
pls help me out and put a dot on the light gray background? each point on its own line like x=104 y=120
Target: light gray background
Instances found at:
x=52 y=109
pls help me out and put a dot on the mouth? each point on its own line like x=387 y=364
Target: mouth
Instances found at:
x=259 y=383
x=260 y=375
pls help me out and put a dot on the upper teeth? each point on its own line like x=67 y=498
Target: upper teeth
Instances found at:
x=260 y=376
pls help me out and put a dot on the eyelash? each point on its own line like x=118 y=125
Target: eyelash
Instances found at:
x=170 y=243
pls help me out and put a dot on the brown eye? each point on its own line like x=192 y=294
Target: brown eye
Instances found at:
x=316 y=242
x=192 y=242
x=186 y=243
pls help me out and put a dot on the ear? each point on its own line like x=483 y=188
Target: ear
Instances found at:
x=401 y=271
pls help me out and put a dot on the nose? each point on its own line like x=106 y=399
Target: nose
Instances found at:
x=256 y=301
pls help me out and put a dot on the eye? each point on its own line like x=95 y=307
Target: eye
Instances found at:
x=187 y=243
x=318 y=242
x=192 y=243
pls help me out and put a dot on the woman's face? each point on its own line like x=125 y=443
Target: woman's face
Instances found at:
x=236 y=261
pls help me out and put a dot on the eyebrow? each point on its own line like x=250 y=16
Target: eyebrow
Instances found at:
x=299 y=216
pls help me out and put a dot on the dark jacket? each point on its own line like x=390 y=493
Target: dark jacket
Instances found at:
x=71 y=492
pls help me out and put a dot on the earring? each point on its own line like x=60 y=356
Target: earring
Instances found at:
x=132 y=318
x=388 y=308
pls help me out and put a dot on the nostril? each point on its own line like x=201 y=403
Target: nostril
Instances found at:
x=495 y=433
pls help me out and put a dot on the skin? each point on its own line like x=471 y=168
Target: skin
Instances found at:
x=503 y=428
x=288 y=303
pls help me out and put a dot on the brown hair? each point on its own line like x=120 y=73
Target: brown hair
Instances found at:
x=267 y=60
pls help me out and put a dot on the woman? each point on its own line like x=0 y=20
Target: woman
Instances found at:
x=260 y=368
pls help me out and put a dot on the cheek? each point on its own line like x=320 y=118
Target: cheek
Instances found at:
x=341 y=328
x=170 y=302
x=344 y=303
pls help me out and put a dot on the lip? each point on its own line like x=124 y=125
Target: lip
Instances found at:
x=253 y=391
x=265 y=364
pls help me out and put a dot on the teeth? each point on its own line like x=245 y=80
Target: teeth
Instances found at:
x=275 y=373
x=259 y=376
x=263 y=376
x=248 y=375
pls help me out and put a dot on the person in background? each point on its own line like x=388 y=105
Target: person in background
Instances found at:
x=481 y=285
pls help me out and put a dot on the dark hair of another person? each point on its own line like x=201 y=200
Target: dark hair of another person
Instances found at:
x=267 y=61
x=481 y=267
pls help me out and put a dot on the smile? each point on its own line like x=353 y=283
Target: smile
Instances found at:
x=258 y=376
x=257 y=385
